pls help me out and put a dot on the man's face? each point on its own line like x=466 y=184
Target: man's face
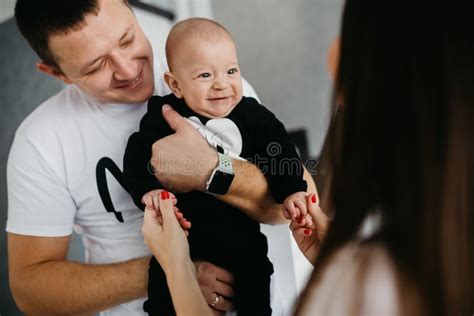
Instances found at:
x=208 y=75
x=109 y=58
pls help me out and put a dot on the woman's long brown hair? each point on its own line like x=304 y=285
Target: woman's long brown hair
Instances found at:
x=403 y=144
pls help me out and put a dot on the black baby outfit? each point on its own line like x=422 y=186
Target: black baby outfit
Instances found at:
x=220 y=233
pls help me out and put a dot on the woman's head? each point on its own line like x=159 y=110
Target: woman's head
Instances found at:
x=402 y=143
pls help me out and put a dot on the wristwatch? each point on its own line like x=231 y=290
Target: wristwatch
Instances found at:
x=221 y=177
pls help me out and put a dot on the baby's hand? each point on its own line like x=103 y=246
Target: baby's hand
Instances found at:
x=151 y=201
x=294 y=206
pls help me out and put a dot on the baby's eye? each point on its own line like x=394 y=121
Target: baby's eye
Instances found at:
x=232 y=71
x=204 y=75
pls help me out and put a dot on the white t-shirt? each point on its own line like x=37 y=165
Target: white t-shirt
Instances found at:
x=61 y=176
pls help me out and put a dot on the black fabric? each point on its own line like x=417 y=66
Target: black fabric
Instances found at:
x=220 y=233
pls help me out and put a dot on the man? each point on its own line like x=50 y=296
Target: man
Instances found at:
x=64 y=166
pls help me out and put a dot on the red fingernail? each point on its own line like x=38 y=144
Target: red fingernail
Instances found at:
x=307 y=232
x=313 y=198
x=165 y=195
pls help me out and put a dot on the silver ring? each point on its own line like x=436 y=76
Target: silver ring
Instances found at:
x=216 y=300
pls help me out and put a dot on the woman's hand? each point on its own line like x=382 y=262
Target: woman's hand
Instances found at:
x=167 y=241
x=151 y=201
x=163 y=234
x=309 y=232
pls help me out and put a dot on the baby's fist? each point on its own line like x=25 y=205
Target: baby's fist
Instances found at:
x=294 y=205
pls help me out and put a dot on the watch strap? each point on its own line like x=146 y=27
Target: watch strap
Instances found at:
x=221 y=177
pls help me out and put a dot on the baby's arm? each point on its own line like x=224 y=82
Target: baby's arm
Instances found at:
x=151 y=201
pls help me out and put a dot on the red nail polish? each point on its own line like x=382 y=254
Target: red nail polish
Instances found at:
x=165 y=195
x=307 y=232
x=313 y=198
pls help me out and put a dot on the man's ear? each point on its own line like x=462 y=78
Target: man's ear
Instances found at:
x=173 y=83
x=53 y=71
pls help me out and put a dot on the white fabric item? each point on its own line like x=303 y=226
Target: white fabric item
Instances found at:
x=52 y=182
x=357 y=280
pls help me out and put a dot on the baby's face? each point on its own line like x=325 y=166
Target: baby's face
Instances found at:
x=209 y=76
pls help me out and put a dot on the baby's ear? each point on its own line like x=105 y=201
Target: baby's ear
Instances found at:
x=173 y=83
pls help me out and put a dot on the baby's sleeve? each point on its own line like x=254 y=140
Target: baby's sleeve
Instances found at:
x=276 y=155
x=138 y=177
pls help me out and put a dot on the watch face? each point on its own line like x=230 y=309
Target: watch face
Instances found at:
x=221 y=182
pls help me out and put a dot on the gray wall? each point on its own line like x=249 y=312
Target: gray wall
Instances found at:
x=282 y=47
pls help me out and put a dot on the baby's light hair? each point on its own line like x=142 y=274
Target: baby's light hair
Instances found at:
x=200 y=28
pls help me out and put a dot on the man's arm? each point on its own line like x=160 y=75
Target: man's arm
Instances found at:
x=184 y=161
x=250 y=193
x=43 y=282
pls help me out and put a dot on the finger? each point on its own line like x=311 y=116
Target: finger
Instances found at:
x=301 y=220
x=167 y=210
x=156 y=204
x=320 y=220
x=173 y=198
x=224 y=289
x=178 y=213
x=150 y=218
x=286 y=213
x=224 y=275
x=184 y=223
x=156 y=207
x=182 y=220
x=303 y=232
x=224 y=304
x=292 y=210
x=147 y=201
x=174 y=120
x=149 y=212
x=298 y=223
x=147 y=198
x=309 y=221
x=301 y=205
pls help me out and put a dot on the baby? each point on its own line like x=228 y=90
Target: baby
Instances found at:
x=206 y=85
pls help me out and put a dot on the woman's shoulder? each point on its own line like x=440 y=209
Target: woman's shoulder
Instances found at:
x=359 y=278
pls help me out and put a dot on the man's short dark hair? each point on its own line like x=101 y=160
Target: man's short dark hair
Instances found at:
x=38 y=19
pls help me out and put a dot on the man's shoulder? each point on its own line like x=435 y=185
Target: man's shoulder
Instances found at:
x=55 y=114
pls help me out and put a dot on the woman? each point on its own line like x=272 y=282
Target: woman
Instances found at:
x=401 y=159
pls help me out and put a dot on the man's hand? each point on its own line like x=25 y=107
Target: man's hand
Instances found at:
x=215 y=281
x=182 y=162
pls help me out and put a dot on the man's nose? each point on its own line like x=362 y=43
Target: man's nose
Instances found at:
x=124 y=67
